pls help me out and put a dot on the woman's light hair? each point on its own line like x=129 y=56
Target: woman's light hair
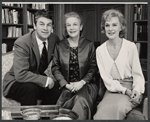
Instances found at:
x=73 y=14
x=107 y=15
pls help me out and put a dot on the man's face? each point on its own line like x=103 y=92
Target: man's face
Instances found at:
x=43 y=28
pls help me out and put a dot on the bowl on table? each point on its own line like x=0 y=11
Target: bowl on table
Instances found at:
x=31 y=113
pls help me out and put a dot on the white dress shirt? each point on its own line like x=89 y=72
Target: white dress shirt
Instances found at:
x=127 y=63
x=40 y=44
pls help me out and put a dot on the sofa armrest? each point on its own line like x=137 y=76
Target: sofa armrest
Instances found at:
x=145 y=101
x=145 y=108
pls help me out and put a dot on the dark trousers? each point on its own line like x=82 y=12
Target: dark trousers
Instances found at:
x=81 y=102
x=28 y=93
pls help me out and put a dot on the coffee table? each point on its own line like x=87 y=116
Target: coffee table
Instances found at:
x=47 y=111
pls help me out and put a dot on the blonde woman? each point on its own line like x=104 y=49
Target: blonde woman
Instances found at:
x=120 y=69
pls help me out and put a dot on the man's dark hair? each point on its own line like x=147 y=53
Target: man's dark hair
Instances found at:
x=43 y=13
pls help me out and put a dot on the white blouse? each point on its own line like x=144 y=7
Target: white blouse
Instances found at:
x=127 y=63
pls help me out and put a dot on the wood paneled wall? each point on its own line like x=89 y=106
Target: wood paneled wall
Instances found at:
x=91 y=14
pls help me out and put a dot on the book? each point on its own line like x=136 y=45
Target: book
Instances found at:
x=10 y=31
x=28 y=17
x=42 y=6
x=138 y=45
x=140 y=11
x=33 y=6
x=15 y=16
x=10 y=16
x=135 y=11
x=14 y=31
x=20 y=31
x=135 y=32
x=32 y=19
x=140 y=32
x=17 y=32
x=6 y=15
x=3 y=16
x=30 y=29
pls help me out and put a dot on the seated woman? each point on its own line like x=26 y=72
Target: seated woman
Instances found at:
x=74 y=67
x=120 y=69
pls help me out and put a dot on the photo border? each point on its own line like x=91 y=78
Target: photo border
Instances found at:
x=88 y=1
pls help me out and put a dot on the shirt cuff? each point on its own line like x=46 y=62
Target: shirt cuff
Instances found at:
x=83 y=82
x=124 y=90
x=48 y=78
x=137 y=91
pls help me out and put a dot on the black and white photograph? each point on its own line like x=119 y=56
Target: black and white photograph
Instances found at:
x=74 y=61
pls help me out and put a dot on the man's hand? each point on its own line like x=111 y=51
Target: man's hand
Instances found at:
x=50 y=83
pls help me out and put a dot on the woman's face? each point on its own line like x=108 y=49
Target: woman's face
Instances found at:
x=73 y=27
x=112 y=28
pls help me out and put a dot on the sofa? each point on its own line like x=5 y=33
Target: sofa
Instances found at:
x=7 y=61
x=139 y=113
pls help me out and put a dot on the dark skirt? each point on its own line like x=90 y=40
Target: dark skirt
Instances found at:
x=80 y=102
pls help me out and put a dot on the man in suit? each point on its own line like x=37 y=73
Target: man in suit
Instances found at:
x=26 y=81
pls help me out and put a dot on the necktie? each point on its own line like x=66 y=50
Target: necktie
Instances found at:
x=43 y=60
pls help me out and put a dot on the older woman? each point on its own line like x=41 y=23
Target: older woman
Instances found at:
x=74 y=67
x=120 y=69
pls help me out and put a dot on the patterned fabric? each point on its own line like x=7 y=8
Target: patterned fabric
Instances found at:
x=48 y=71
x=7 y=62
x=74 y=65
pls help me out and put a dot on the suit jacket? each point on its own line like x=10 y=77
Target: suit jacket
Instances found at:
x=86 y=59
x=26 y=61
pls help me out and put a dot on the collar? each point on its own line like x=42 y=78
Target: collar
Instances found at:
x=39 y=41
x=121 y=59
x=81 y=40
